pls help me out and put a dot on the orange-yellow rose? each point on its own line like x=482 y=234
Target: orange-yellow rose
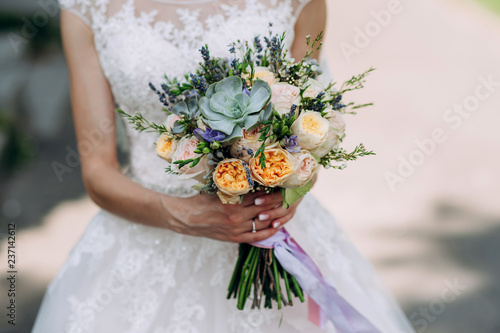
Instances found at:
x=280 y=165
x=165 y=147
x=231 y=179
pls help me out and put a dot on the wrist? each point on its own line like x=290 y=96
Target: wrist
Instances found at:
x=168 y=205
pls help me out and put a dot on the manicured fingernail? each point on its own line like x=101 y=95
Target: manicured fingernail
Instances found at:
x=259 y=201
x=276 y=225
x=263 y=217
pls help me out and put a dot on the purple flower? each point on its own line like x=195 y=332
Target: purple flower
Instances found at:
x=246 y=91
x=291 y=144
x=209 y=135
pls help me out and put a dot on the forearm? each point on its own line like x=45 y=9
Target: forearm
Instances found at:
x=118 y=194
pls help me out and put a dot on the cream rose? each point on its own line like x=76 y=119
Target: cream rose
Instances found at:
x=332 y=141
x=261 y=73
x=336 y=119
x=280 y=165
x=284 y=95
x=185 y=151
x=313 y=88
x=165 y=147
x=306 y=169
x=311 y=129
x=264 y=74
x=231 y=179
x=250 y=140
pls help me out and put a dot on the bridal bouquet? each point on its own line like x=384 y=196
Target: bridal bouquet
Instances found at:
x=255 y=121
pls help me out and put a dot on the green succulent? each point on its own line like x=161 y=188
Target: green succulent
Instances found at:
x=226 y=108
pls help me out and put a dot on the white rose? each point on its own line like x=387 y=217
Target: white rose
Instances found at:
x=306 y=169
x=311 y=129
x=332 y=141
x=284 y=95
x=336 y=119
x=313 y=88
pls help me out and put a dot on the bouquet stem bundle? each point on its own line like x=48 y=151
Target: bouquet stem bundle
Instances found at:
x=258 y=269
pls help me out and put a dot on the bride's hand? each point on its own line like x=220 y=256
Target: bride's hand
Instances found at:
x=205 y=216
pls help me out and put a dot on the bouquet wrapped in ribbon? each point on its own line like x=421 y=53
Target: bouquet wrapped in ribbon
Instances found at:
x=259 y=121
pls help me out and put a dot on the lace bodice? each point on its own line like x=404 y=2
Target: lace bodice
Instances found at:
x=139 y=41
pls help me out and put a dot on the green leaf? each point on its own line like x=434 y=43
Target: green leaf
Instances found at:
x=221 y=104
x=230 y=86
x=258 y=100
x=292 y=195
x=259 y=84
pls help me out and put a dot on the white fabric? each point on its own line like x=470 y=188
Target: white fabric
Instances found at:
x=125 y=277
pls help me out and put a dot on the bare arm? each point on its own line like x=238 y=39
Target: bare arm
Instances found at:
x=311 y=21
x=93 y=110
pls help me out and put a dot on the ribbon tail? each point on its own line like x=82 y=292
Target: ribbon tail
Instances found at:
x=343 y=315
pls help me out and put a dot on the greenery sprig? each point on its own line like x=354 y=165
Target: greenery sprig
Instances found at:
x=341 y=155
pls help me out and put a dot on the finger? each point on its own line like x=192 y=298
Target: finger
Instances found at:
x=249 y=198
x=248 y=213
x=278 y=223
x=269 y=199
x=250 y=237
x=259 y=225
x=275 y=213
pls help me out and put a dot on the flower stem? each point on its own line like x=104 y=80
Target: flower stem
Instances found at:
x=287 y=286
x=245 y=277
x=297 y=289
x=277 y=281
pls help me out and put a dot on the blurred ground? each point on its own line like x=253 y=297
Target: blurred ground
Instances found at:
x=425 y=213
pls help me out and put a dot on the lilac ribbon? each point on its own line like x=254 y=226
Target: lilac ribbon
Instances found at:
x=331 y=304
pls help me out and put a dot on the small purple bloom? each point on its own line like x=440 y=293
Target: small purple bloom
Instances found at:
x=292 y=144
x=209 y=135
x=246 y=91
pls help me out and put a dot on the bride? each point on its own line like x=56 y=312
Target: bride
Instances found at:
x=158 y=257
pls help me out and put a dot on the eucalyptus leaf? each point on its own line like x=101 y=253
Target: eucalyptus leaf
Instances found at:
x=292 y=195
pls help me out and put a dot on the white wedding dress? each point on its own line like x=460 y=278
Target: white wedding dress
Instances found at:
x=128 y=278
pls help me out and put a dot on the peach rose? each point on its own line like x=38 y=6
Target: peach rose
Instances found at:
x=280 y=165
x=306 y=169
x=185 y=150
x=283 y=96
x=165 y=147
x=170 y=122
x=311 y=129
x=231 y=178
